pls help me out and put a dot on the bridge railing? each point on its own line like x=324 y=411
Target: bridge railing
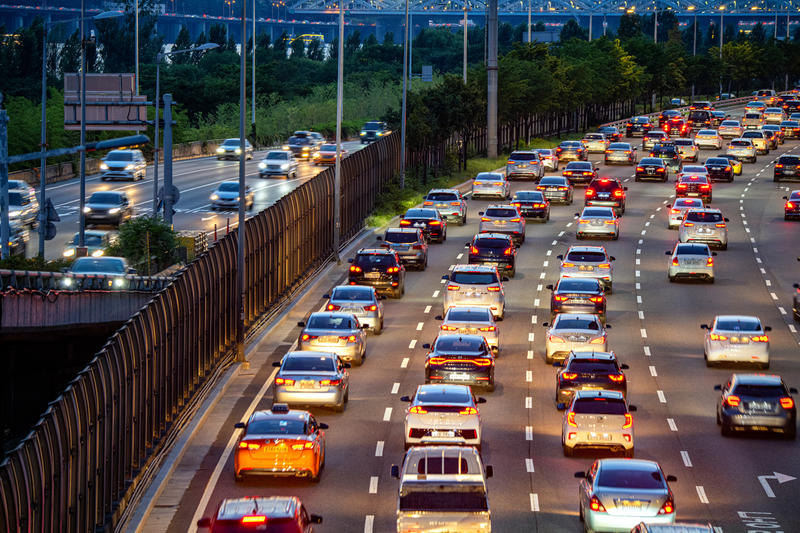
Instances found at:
x=58 y=281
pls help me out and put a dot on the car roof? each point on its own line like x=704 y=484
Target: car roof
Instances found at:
x=628 y=464
x=704 y=210
x=291 y=414
x=444 y=388
x=491 y=235
x=608 y=356
x=616 y=395
x=585 y=248
x=757 y=379
x=454 y=191
x=375 y=251
x=272 y=506
x=327 y=355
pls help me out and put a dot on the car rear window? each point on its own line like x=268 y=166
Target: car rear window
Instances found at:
x=553 y=181
x=641 y=120
x=599 y=406
x=689 y=202
x=741 y=143
x=457 y=314
x=707 y=132
x=464 y=501
x=651 y=161
x=474 y=278
x=692 y=249
x=421 y=213
x=456 y=343
x=694 y=179
x=443 y=395
x=579 y=165
x=586 y=257
x=683 y=142
x=492 y=242
x=308 y=363
x=578 y=285
x=489 y=177
x=576 y=323
x=703 y=216
x=619 y=146
x=593 y=366
x=731 y=123
x=597 y=212
x=100 y=264
x=605 y=185
x=501 y=212
x=329 y=322
x=760 y=391
x=442 y=197
x=738 y=325
x=523 y=156
x=630 y=478
x=374 y=260
x=752 y=135
x=571 y=144
x=401 y=237
x=789 y=160
x=717 y=161
x=277 y=427
x=529 y=196
x=353 y=294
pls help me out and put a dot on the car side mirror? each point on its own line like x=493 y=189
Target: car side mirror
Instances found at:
x=613 y=258
x=315 y=519
x=550 y=287
x=204 y=522
x=727 y=219
x=364 y=326
x=467 y=245
x=276 y=364
x=714 y=254
x=483 y=400
x=608 y=326
x=560 y=257
x=624 y=366
x=671 y=478
x=489 y=471
x=480 y=213
x=558 y=364
x=703 y=326
x=239 y=425
x=577 y=215
x=768 y=328
x=347 y=365
x=667 y=253
x=580 y=475
x=545 y=324
x=427 y=346
x=322 y=425
x=405 y=398
x=326 y=296
x=792 y=390
x=785 y=197
x=561 y=406
x=301 y=324
x=632 y=408
x=669 y=205
x=718 y=387
x=395 y=471
x=438 y=317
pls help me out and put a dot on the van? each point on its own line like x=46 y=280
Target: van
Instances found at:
x=767 y=95
x=442 y=488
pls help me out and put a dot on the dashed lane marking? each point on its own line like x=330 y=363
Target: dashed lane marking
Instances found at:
x=539 y=287
x=436 y=293
x=671 y=424
x=643 y=333
x=687 y=462
x=546 y=264
x=529 y=465
x=541 y=276
x=530 y=354
x=528 y=376
x=638 y=298
x=373 y=484
x=404 y=362
x=420 y=325
x=661 y=397
x=459 y=256
x=534 y=503
x=379 y=449
x=536 y=302
x=534 y=319
x=653 y=371
x=387 y=414
x=427 y=309
x=395 y=387
x=701 y=493
x=555 y=242
x=368 y=523
x=412 y=344
x=530 y=336
x=528 y=432
x=528 y=402
x=647 y=351
x=638 y=273
x=641 y=315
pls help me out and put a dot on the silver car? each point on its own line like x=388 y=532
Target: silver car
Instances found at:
x=359 y=300
x=620 y=153
x=687 y=149
x=595 y=143
x=730 y=129
x=708 y=139
x=335 y=332
x=736 y=339
x=597 y=222
x=278 y=163
x=774 y=115
x=549 y=158
x=492 y=184
x=505 y=219
x=743 y=150
x=23 y=207
x=474 y=286
x=472 y=321
x=443 y=414
x=226 y=196
x=410 y=245
x=449 y=202
x=598 y=419
x=96 y=242
x=123 y=164
x=556 y=189
x=691 y=260
x=312 y=378
x=588 y=262
x=574 y=332
x=752 y=121
x=617 y=494
x=524 y=164
x=706 y=225
x=231 y=149
x=98 y=273
x=676 y=211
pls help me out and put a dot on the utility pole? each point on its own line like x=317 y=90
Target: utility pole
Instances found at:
x=529 y=21
x=82 y=216
x=590 y=26
x=337 y=176
x=405 y=97
x=465 y=43
x=136 y=43
x=694 y=48
x=168 y=198
x=5 y=230
x=655 y=23
x=253 y=81
x=491 y=92
x=43 y=146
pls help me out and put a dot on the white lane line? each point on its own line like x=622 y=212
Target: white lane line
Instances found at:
x=638 y=251
x=762 y=270
x=373 y=484
x=653 y=371
x=395 y=387
x=782 y=310
x=569 y=224
x=528 y=376
x=539 y=287
x=641 y=315
x=412 y=344
x=528 y=434
x=529 y=465
x=533 y=319
x=530 y=337
x=459 y=256
x=638 y=273
x=701 y=493
x=747 y=230
x=379 y=449
x=653 y=216
x=534 y=503
x=643 y=333
x=644 y=232
x=536 y=302
x=442 y=280
x=638 y=286
x=436 y=293
x=773 y=295
x=451 y=267
x=541 y=276
x=368 y=523
x=549 y=252
x=638 y=298
x=387 y=414
x=530 y=354
x=641 y=241
x=647 y=351
x=661 y=397
x=752 y=240
x=671 y=424
x=556 y=242
x=528 y=402
x=646 y=224
x=658 y=208
x=768 y=283
x=755 y=250
x=638 y=261
x=404 y=362
x=560 y=235
x=420 y=325
x=792 y=328
x=686 y=461
x=545 y=264
x=427 y=309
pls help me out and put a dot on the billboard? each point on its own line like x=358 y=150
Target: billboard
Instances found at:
x=111 y=103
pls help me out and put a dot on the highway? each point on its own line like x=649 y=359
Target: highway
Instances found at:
x=656 y=330
x=195 y=178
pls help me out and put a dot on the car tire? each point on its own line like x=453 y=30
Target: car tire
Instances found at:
x=238 y=478
x=637 y=178
x=763 y=366
x=724 y=246
x=318 y=477
x=548 y=360
x=379 y=329
x=671 y=279
x=725 y=430
x=568 y=452
x=628 y=454
x=792 y=433
x=490 y=387
x=709 y=364
x=719 y=420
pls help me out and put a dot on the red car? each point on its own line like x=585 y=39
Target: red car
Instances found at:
x=273 y=514
x=678 y=126
x=791 y=209
x=693 y=186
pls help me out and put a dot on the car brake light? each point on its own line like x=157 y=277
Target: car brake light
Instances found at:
x=510 y=162
x=710 y=262
x=515 y=220
x=682 y=185
x=468 y=411
x=417 y=247
x=448 y=328
x=787 y=402
x=350 y=338
x=372 y=307
x=588 y=173
x=493 y=289
x=760 y=338
x=555 y=339
x=417 y=410
x=330 y=382
x=732 y=400
x=688 y=224
x=488 y=328
x=453 y=287
x=254 y=519
x=779 y=165
x=333 y=307
x=674 y=211
x=563 y=188
x=598 y=340
x=540 y=187
x=249 y=445
x=473 y=250
x=498 y=184
x=589 y=192
x=668 y=507
x=434 y=223
x=568 y=265
x=303 y=445
x=569 y=376
x=595 y=505
x=628 y=421
x=354 y=268
x=789 y=205
x=596 y=299
x=727 y=168
x=617 y=378
x=405 y=222
x=392 y=270
x=720 y=225
x=427 y=203
x=486 y=219
x=675 y=261
x=639 y=169
x=455 y=203
x=660 y=169
x=305 y=337
x=284 y=381
x=516 y=204
x=705 y=187
x=717 y=337
x=571 y=419
x=508 y=251
x=560 y=298
x=619 y=193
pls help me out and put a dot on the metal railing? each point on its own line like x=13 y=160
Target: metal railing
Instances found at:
x=58 y=281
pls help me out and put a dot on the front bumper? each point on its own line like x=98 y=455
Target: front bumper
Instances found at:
x=118 y=175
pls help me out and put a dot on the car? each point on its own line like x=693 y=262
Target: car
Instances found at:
x=598 y=419
x=326 y=155
x=752 y=121
x=524 y=164
x=556 y=189
x=691 y=260
x=226 y=196
x=790 y=129
x=694 y=186
x=796 y=301
x=532 y=204
x=734 y=162
x=652 y=137
x=791 y=106
x=786 y=167
x=795 y=116
x=791 y=208
x=606 y=192
x=776 y=132
x=18 y=238
x=338 y=332
x=677 y=102
x=409 y=243
x=379 y=268
x=692 y=170
x=589 y=371
x=708 y=140
x=638 y=126
x=96 y=242
x=574 y=332
x=123 y=164
x=668 y=153
x=717 y=117
x=266 y=514
x=571 y=151
x=23 y=207
x=580 y=172
x=676 y=210
x=773 y=139
x=665 y=116
x=441 y=414
x=449 y=202
x=588 y=262
x=678 y=126
x=767 y=95
x=719 y=169
x=492 y=184
x=756 y=402
x=774 y=115
x=505 y=219
x=701 y=105
x=578 y=295
x=105 y=272
x=612 y=133
x=475 y=286
x=21 y=185
x=549 y=158
x=278 y=163
x=616 y=494
x=699 y=118
x=755 y=107
x=373 y=131
x=725 y=96
x=461 y=359
x=597 y=222
x=730 y=129
x=595 y=143
x=620 y=152
x=473 y=321
x=312 y=378
x=281 y=442
x=430 y=221
x=494 y=250
x=687 y=149
x=736 y=339
x=303 y=145
x=362 y=302
x=651 y=168
x=231 y=149
x=110 y=208
x=743 y=150
x=759 y=139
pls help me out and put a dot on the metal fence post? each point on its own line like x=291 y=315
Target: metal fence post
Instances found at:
x=4 y=228
x=168 y=199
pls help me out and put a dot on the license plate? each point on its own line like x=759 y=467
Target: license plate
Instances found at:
x=759 y=406
x=703 y=230
x=499 y=222
x=599 y=436
x=586 y=268
x=650 y=171
x=441 y=434
x=469 y=331
x=460 y=376
x=372 y=275
x=740 y=340
x=492 y=264
x=602 y=195
x=692 y=194
x=329 y=339
x=307 y=384
x=441 y=205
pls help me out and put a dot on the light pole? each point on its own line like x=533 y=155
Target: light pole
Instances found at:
x=136 y=42
x=253 y=80
x=721 y=30
x=337 y=176
x=529 y=22
x=403 y=111
x=590 y=25
x=465 y=42
x=655 y=22
x=159 y=57
x=240 y=266
x=694 y=43
x=491 y=75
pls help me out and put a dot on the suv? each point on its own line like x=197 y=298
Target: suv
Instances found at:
x=410 y=245
x=639 y=125
x=505 y=219
x=580 y=172
x=524 y=165
x=588 y=262
x=699 y=118
x=378 y=268
x=652 y=137
x=705 y=225
x=304 y=144
x=598 y=419
x=108 y=207
x=651 y=168
x=495 y=250
x=475 y=286
x=719 y=168
x=787 y=167
x=578 y=295
x=443 y=414
x=123 y=164
x=23 y=207
x=432 y=224
x=606 y=192
x=278 y=163
x=759 y=139
x=752 y=121
x=231 y=149
x=461 y=359
x=743 y=149
x=449 y=202
x=373 y=131
x=273 y=514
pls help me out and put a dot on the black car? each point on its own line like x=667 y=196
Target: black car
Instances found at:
x=378 y=268
x=638 y=126
x=373 y=131
x=556 y=189
x=532 y=204
x=493 y=249
x=611 y=132
x=651 y=168
x=571 y=151
x=461 y=359
x=678 y=126
x=606 y=192
x=410 y=245
x=699 y=118
x=303 y=144
x=790 y=129
x=430 y=221
x=107 y=208
x=787 y=167
x=580 y=172
x=669 y=153
x=791 y=208
x=791 y=106
x=578 y=295
x=589 y=371
x=719 y=169
x=717 y=117
x=758 y=402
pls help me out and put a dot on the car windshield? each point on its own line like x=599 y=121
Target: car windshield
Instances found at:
x=759 y=391
x=16 y=198
x=593 y=366
x=373 y=126
x=89 y=238
x=529 y=196
x=442 y=197
x=119 y=156
x=586 y=256
x=597 y=212
x=578 y=285
x=523 y=156
x=744 y=324
x=474 y=278
x=352 y=294
x=228 y=187
x=691 y=249
x=310 y=363
x=576 y=323
x=421 y=213
x=703 y=216
x=453 y=343
x=374 y=260
x=327 y=148
x=105 y=198
x=276 y=427
x=400 y=237
x=231 y=142
x=501 y=212
x=443 y=395
x=278 y=155
x=92 y=264
x=459 y=314
x=490 y=242
x=450 y=500
x=599 y=406
x=630 y=478
x=329 y=322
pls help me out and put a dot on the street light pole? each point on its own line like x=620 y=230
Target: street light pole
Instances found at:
x=465 y=43
x=82 y=205
x=590 y=26
x=240 y=267
x=403 y=111
x=136 y=43
x=43 y=146
x=491 y=90
x=253 y=76
x=694 y=48
x=655 y=23
x=337 y=176
x=529 y=21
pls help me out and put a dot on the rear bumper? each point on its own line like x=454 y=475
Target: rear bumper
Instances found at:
x=281 y=395
x=605 y=522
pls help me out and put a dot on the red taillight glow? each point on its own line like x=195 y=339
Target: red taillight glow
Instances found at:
x=488 y=328
x=705 y=187
x=787 y=402
x=405 y=222
x=589 y=192
x=255 y=519
x=473 y=250
x=732 y=400
x=372 y=307
x=330 y=382
x=246 y=445
x=417 y=410
x=571 y=419
x=596 y=506
x=434 y=223
x=598 y=340
x=354 y=268
x=668 y=507
x=682 y=186
x=493 y=289
x=568 y=265
x=688 y=224
x=710 y=262
x=392 y=270
x=468 y=411
x=284 y=381
x=617 y=378
x=560 y=298
x=717 y=337
x=445 y=327
x=790 y=205
x=619 y=193
x=303 y=446
x=508 y=251
x=427 y=203
x=596 y=299
x=455 y=203
x=760 y=338
x=349 y=338
x=628 y=421
x=639 y=169
x=675 y=261
x=486 y=219
x=569 y=376
x=333 y=307
x=453 y=287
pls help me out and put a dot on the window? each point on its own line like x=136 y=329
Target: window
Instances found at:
x=703 y=216
x=401 y=237
x=575 y=323
x=593 y=366
x=119 y=156
x=524 y=156
x=422 y=213
x=474 y=278
x=456 y=501
x=278 y=156
x=500 y=212
x=353 y=294
x=692 y=249
x=457 y=343
x=630 y=479
x=276 y=427
x=529 y=196
x=437 y=395
x=586 y=256
x=329 y=322
x=304 y=363
x=483 y=242
x=789 y=160
x=228 y=187
x=92 y=264
x=598 y=213
x=759 y=391
x=442 y=197
x=442 y=465
x=578 y=285
x=374 y=260
x=732 y=324
x=599 y=406
x=459 y=314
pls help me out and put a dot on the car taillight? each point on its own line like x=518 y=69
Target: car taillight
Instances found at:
x=539 y=206
x=682 y=186
x=571 y=419
x=479 y=361
x=488 y=328
x=486 y=219
x=516 y=204
x=595 y=505
x=589 y=192
x=333 y=307
x=254 y=519
x=568 y=265
x=417 y=410
x=598 y=340
x=718 y=337
x=455 y=203
x=372 y=307
x=675 y=261
x=674 y=211
x=688 y=224
x=789 y=205
x=779 y=165
x=468 y=411
x=560 y=298
x=448 y=328
x=619 y=193
x=760 y=338
x=434 y=223
x=588 y=173
x=418 y=247
x=668 y=507
x=510 y=162
x=660 y=169
x=719 y=225
x=392 y=270
x=330 y=382
x=705 y=187
x=555 y=339
x=303 y=446
x=515 y=220
x=473 y=250
x=628 y=421
x=348 y=338
x=559 y=149
x=727 y=168
x=608 y=151
x=628 y=125
x=569 y=376
x=453 y=287
x=498 y=184
x=427 y=203
x=710 y=262
x=405 y=222
x=787 y=402
x=596 y=299
x=639 y=169
x=354 y=268
x=284 y=381
x=540 y=187
x=305 y=337
x=617 y=378
x=493 y=289
x=568 y=173
x=508 y=251
x=247 y=445
x=563 y=188
x=732 y=400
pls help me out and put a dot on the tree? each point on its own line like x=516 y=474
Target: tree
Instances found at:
x=571 y=30
x=759 y=35
x=298 y=48
x=144 y=238
x=116 y=37
x=630 y=26
x=182 y=42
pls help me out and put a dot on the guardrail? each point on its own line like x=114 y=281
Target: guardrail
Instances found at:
x=58 y=281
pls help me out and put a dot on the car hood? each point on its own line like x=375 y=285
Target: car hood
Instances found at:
x=118 y=164
x=227 y=195
x=97 y=273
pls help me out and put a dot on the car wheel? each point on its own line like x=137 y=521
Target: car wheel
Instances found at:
x=637 y=178
x=671 y=279
x=628 y=454
x=725 y=430
x=568 y=452
x=317 y=478
x=548 y=359
x=379 y=329
x=719 y=420
x=238 y=478
x=709 y=364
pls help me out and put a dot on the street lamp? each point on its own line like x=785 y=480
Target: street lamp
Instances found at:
x=403 y=111
x=694 y=41
x=159 y=57
x=240 y=266
x=721 y=27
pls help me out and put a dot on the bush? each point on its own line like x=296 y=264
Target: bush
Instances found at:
x=148 y=243
x=17 y=262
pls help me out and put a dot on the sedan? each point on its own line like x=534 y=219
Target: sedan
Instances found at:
x=617 y=494
x=774 y=115
x=549 y=158
x=786 y=167
x=707 y=139
x=598 y=419
x=730 y=129
x=719 y=169
x=638 y=126
x=336 y=332
x=620 y=153
x=556 y=189
x=312 y=378
x=524 y=165
x=494 y=250
x=430 y=221
x=678 y=209
x=231 y=149
x=226 y=196
x=743 y=150
x=691 y=261
x=694 y=186
x=687 y=149
x=578 y=295
x=704 y=225
x=589 y=371
x=612 y=133
x=573 y=332
x=278 y=163
x=595 y=143
x=736 y=164
x=776 y=132
x=532 y=204
x=460 y=359
x=572 y=151
x=580 y=172
x=597 y=222
x=236 y=515
x=791 y=208
x=107 y=208
x=651 y=168
x=736 y=339
x=652 y=137
x=327 y=155
x=790 y=129
x=105 y=272
x=757 y=402
x=588 y=262
x=472 y=321
x=96 y=242
x=667 y=153
x=493 y=184
x=443 y=414
x=361 y=301
x=505 y=219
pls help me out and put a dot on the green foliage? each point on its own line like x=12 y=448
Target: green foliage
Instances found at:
x=148 y=243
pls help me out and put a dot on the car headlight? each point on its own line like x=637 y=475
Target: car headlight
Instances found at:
x=68 y=282
x=113 y=211
x=285 y=147
x=119 y=282
x=103 y=166
x=69 y=252
x=306 y=148
x=262 y=165
x=215 y=197
x=220 y=150
x=87 y=209
x=379 y=133
x=237 y=198
x=96 y=253
x=129 y=166
x=363 y=133
x=14 y=214
x=285 y=166
x=237 y=151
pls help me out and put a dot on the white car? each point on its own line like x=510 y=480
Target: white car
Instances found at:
x=704 y=225
x=443 y=414
x=691 y=261
x=472 y=321
x=687 y=149
x=708 y=139
x=595 y=143
x=231 y=149
x=679 y=208
x=730 y=129
x=743 y=150
x=598 y=419
x=759 y=139
x=736 y=339
x=573 y=332
x=549 y=158
x=278 y=163
x=597 y=222
x=492 y=184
